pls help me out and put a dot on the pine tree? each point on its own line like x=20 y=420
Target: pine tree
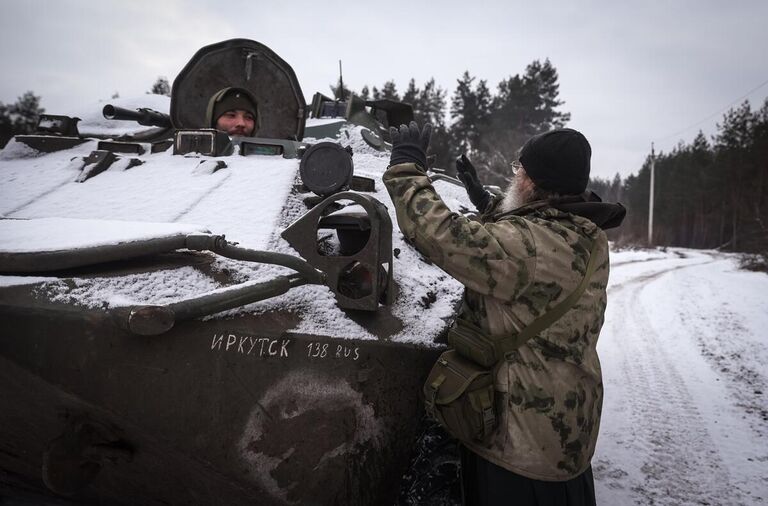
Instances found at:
x=527 y=103
x=431 y=109
x=732 y=143
x=161 y=87
x=470 y=111
x=700 y=177
x=6 y=125
x=760 y=178
x=741 y=149
x=428 y=102
x=19 y=118
x=25 y=113
x=523 y=106
x=411 y=95
x=541 y=81
x=388 y=91
x=432 y=103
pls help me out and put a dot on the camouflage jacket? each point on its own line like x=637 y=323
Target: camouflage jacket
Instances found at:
x=515 y=268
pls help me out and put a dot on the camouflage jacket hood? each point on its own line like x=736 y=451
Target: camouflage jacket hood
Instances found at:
x=588 y=205
x=515 y=267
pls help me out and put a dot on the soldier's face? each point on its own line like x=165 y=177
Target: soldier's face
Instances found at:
x=236 y=122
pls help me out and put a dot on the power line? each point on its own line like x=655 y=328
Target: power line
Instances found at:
x=716 y=112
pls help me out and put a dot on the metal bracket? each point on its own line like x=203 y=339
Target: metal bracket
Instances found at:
x=249 y=57
x=96 y=163
x=363 y=277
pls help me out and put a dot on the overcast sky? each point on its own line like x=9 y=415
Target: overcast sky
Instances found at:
x=629 y=74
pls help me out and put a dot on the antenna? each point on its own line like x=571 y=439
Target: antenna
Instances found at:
x=341 y=83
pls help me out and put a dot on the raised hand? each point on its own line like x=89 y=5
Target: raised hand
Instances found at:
x=410 y=144
x=467 y=174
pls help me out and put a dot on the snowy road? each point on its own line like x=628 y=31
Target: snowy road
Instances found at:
x=683 y=351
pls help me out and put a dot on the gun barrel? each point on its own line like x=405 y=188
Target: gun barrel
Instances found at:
x=146 y=117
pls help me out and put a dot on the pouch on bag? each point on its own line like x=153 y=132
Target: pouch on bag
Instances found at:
x=459 y=394
x=472 y=343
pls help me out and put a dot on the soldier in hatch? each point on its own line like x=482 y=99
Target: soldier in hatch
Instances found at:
x=527 y=254
x=233 y=110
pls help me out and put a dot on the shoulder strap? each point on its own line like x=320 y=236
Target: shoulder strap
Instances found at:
x=505 y=344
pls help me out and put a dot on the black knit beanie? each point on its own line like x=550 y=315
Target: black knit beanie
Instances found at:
x=233 y=99
x=558 y=161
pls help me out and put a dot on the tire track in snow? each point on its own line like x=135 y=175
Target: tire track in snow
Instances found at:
x=646 y=278
x=637 y=261
x=657 y=421
x=729 y=342
x=726 y=355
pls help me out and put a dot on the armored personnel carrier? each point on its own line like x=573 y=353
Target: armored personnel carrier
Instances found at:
x=189 y=318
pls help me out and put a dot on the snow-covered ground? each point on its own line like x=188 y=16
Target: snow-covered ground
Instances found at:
x=683 y=351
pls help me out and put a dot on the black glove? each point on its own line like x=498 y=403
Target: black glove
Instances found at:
x=467 y=174
x=409 y=145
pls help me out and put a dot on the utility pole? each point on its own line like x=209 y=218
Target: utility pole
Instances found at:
x=650 y=200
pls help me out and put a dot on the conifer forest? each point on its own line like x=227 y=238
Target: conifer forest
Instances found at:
x=709 y=193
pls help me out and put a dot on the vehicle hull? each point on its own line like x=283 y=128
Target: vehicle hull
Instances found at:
x=224 y=411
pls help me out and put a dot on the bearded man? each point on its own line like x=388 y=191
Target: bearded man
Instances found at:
x=528 y=252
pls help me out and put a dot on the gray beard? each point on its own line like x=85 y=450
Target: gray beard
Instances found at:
x=514 y=196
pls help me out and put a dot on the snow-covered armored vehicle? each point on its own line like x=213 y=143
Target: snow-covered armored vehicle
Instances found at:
x=192 y=319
